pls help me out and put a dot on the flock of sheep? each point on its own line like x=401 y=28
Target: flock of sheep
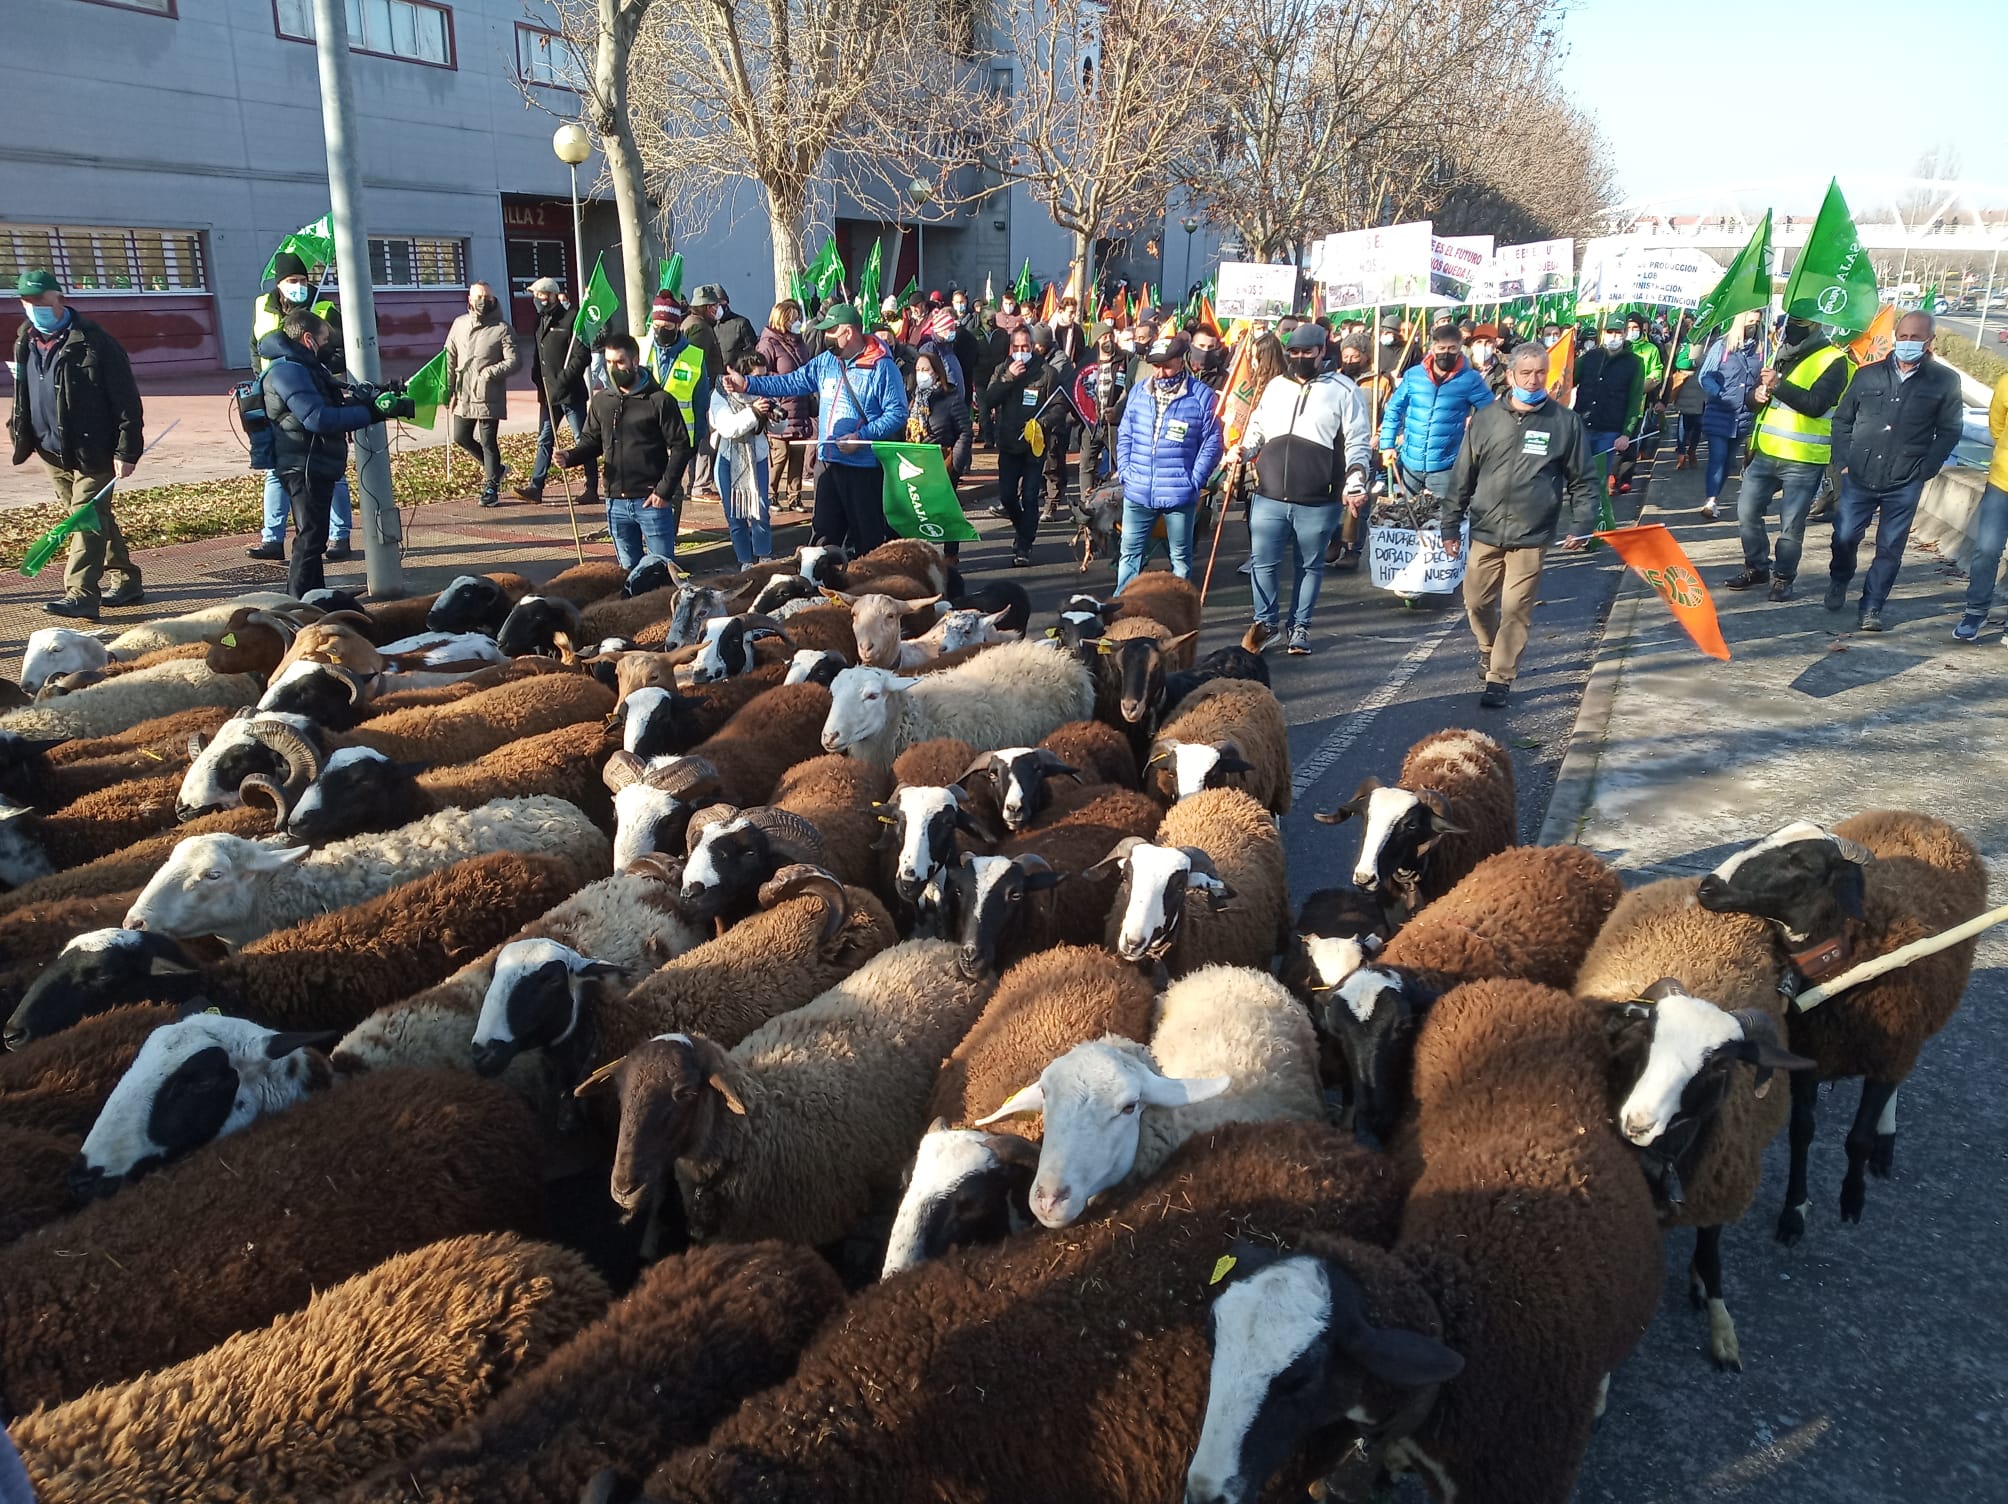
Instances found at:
x=820 y=1036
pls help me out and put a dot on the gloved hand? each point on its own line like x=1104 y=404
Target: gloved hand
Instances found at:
x=388 y=405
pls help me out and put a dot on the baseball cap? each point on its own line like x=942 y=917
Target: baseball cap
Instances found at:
x=36 y=282
x=1307 y=337
x=1169 y=351
x=841 y=313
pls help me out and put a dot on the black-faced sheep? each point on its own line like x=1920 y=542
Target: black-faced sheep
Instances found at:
x=921 y=1392
x=49 y=777
x=373 y=1368
x=798 y=1129
x=1003 y=697
x=700 y=1333
x=969 y=1184
x=1018 y=782
x=96 y=825
x=475 y=603
x=1228 y=733
x=245 y=1230
x=1882 y=880
x=1224 y=844
x=1453 y=808
x=824 y=813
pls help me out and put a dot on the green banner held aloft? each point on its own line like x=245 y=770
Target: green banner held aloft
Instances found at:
x=428 y=390
x=919 y=499
x=870 y=278
x=313 y=244
x=1746 y=285
x=1023 y=290
x=601 y=304
x=826 y=272
x=1833 y=281
x=672 y=276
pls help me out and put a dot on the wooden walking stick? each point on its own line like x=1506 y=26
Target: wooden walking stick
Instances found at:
x=1226 y=506
x=578 y=544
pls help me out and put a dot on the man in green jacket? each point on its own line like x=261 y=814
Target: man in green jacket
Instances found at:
x=1523 y=460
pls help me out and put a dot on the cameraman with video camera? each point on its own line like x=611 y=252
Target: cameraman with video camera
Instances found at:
x=312 y=416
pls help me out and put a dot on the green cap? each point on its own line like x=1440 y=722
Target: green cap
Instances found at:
x=842 y=313
x=36 y=282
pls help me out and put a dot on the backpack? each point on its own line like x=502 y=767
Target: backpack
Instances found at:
x=257 y=422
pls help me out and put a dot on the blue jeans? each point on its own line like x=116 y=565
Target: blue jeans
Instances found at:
x=751 y=536
x=1722 y=450
x=1990 y=534
x=641 y=529
x=573 y=413
x=1272 y=527
x=1857 y=504
x=278 y=507
x=1138 y=523
x=1435 y=482
x=1796 y=483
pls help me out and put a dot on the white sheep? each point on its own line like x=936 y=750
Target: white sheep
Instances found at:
x=112 y=705
x=1009 y=696
x=238 y=889
x=192 y=626
x=53 y=651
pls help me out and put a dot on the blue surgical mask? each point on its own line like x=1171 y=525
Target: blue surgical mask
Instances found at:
x=45 y=320
x=1910 y=351
x=1534 y=398
x=295 y=292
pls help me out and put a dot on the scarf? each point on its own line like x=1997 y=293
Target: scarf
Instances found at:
x=743 y=498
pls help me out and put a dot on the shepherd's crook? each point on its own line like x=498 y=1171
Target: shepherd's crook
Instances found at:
x=1903 y=955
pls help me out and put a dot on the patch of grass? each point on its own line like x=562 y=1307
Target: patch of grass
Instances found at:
x=1982 y=364
x=196 y=510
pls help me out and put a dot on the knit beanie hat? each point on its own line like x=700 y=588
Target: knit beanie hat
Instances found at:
x=287 y=264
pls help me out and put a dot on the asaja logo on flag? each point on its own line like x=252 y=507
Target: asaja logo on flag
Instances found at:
x=908 y=470
x=919 y=499
x=1677 y=584
x=1833 y=299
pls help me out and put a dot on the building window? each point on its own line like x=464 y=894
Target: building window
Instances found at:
x=1002 y=81
x=417 y=31
x=94 y=258
x=151 y=7
x=408 y=263
x=530 y=260
x=546 y=58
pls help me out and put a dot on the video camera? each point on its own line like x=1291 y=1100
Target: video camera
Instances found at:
x=387 y=401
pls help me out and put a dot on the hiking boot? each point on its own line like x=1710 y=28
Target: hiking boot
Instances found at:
x=128 y=594
x=1970 y=625
x=276 y=552
x=1258 y=636
x=1837 y=594
x=72 y=606
x=1743 y=579
x=530 y=493
x=1871 y=622
x=1495 y=695
x=1781 y=588
x=337 y=553
x=1299 y=641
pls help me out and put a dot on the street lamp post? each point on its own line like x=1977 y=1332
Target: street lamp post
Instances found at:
x=1188 y=224
x=573 y=146
x=922 y=194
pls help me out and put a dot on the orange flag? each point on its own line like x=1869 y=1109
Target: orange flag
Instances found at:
x=1877 y=340
x=1562 y=369
x=1236 y=404
x=1206 y=320
x=1661 y=563
x=1047 y=303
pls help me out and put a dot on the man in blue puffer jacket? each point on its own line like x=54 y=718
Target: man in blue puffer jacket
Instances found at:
x=1422 y=427
x=1166 y=451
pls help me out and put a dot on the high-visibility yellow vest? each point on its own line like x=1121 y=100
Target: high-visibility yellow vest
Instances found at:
x=680 y=380
x=1787 y=434
x=265 y=319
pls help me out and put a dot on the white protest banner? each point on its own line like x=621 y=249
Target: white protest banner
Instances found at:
x=1456 y=262
x=1527 y=271
x=1253 y=290
x=1619 y=269
x=1411 y=562
x=1374 y=268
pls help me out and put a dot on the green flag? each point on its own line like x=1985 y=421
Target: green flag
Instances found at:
x=799 y=289
x=826 y=272
x=1833 y=281
x=919 y=499
x=910 y=294
x=1746 y=285
x=1929 y=302
x=868 y=279
x=85 y=518
x=601 y=304
x=672 y=276
x=428 y=390
x=1023 y=290
x=313 y=244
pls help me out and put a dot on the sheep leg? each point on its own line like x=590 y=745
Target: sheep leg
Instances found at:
x=1704 y=1288
x=1798 y=1200
x=1882 y=1158
x=1862 y=1138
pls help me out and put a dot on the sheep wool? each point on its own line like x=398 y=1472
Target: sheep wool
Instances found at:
x=1245 y=846
x=1007 y=696
x=59 y=1085
x=697 y=1335
x=1239 y=711
x=125 y=869
x=32 y=1188
x=251 y=1226
x=112 y=705
x=1474 y=773
x=1169 y=601
x=1529 y=912
x=376 y=1366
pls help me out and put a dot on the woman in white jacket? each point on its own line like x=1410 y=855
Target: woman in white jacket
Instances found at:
x=740 y=424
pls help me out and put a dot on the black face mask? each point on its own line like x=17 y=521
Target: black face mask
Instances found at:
x=1445 y=363
x=1212 y=360
x=481 y=307
x=1797 y=331
x=1303 y=367
x=623 y=379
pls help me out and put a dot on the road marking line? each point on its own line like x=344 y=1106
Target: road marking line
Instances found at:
x=1352 y=726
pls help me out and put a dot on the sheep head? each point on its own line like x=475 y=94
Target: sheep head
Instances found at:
x=1375 y=1014
x=210 y=885
x=861 y=705
x=1017 y=778
x=653 y=801
x=966 y=1186
x=99 y=971
x=1185 y=768
x=539 y=998
x=250 y=743
x=733 y=852
x=54 y=651
x=988 y=896
x=920 y=823
x=728 y=646
x=1402 y=827
x=1806 y=882
x=1156 y=880
x=358 y=789
x=875 y=622
x=675 y=1093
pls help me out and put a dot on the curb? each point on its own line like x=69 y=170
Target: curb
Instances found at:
x=1576 y=780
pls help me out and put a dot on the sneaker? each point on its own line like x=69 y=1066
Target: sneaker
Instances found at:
x=1744 y=579
x=336 y=553
x=72 y=606
x=488 y=498
x=1021 y=561
x=1781 y=588
x=1837 y=594
x=1970 y=625
x=1871 y=622
x=1495 y=695
x=1258 y=636
x=530 y=493
x=128 y=594
x=999 y=513
x=1299 y=641
x=1708 y=509
x=276 y=552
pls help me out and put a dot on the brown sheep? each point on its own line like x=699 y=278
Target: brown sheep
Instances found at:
x=85 y=829
x=837 y=795
x=1169 y=601
x=1530 y=913
x=33 y=1191
x=932 y=764
x=628 y=616
x=251 y=1226
x=59 y=1085
x=1243 y=914
x=155 y=748
x=378 y=1365
x=697 y=1335
x=582 y=584
x=1228 y=733
x=909 y=561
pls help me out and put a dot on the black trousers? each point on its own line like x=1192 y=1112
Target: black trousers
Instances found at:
x=477 y=437
x=850 y=508
x=1059 y=439
x=1018 y=495
x=1094 y=444
x=310 y=495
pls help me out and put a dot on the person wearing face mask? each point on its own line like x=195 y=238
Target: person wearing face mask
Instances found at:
x=1145 y=335
x=1551 y=336
x=1209 y=357
x=558 y=371
x=1644 y=434
x=312 y=416
x=1483 y=350
x=1020 y=400
x=1058 y=422
x=635 y=429
x=795 y=420
x=1310 y=438
x=1895 y=428
x=481 y=356
x=1099 y=392
x=1167 y=449
x=1794 y=401
x=1422 y=426
x=77 y=407
x=1525 y=460
x=292 y=288
x=1068 y=339
x=938 y=415
x=1610 y=394
x=1389 y=350
x=860 y=397
x=1728 y=375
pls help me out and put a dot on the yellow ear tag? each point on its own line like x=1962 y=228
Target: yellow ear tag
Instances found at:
x=1223 y=1268
x=887 y=820
x=228 y=640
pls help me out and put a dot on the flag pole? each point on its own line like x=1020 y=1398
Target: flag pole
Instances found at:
x=1226 y=505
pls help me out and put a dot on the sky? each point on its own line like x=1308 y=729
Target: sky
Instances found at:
x=1685 y=92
